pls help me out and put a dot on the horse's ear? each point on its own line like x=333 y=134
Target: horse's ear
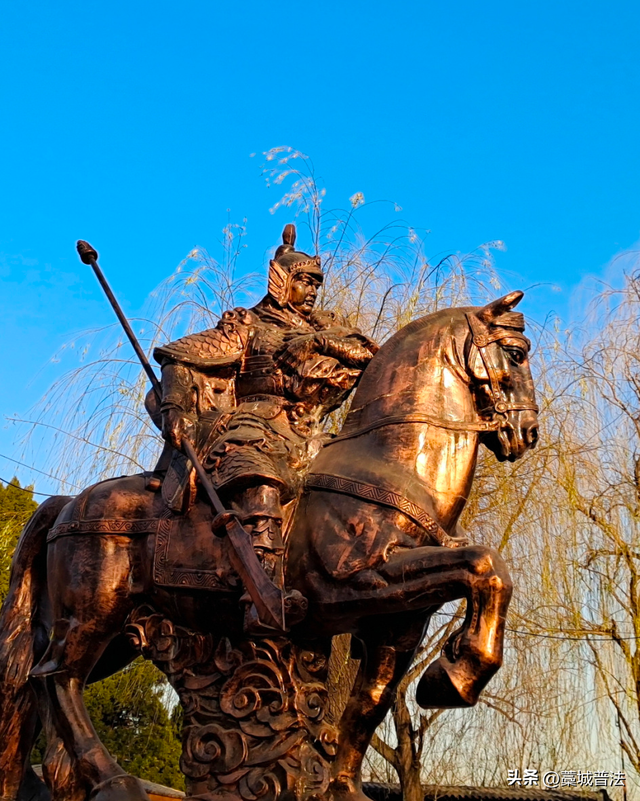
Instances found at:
x=498 y=307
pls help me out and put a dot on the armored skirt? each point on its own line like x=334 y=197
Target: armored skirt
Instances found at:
x=264 y=440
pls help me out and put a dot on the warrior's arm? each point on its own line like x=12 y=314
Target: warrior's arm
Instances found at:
x=187 y=393
x=350 y=348
x=178 y=388
x=179 y=401
x=347 y=350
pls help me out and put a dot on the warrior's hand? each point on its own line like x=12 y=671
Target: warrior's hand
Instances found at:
x=175 y=426
x=298 y=351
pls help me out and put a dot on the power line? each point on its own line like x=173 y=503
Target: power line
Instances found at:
x=25 y=489
x=42 y=473
x=566 y=637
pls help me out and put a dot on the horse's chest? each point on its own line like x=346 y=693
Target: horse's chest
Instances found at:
x=350 y=535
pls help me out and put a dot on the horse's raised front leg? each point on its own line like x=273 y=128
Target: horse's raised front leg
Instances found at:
x=473 y=654
x=390 y=646
x=89 y=588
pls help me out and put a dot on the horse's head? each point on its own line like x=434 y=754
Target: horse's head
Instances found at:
x=462 y=369
x=497 y=362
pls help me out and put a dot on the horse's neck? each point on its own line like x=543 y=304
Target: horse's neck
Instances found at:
x=419 y=373
x=444 y=462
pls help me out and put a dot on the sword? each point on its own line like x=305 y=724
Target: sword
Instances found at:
x=268 y=599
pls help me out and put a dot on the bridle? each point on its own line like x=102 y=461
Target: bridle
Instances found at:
x=484 y=339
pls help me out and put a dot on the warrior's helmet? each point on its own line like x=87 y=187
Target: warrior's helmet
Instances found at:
x=287 y=264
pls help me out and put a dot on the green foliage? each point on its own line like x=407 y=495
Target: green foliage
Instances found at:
x=16 y=507
x=131 y=717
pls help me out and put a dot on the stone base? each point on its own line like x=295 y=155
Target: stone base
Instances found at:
x=254 y=712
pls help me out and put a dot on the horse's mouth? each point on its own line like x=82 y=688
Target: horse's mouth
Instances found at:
x=509 y=444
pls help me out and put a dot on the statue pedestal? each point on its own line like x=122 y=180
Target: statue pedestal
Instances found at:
x=254 y=712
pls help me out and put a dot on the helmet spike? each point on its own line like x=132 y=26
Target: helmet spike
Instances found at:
x=289 y=234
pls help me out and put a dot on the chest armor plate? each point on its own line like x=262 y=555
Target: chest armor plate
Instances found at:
x=258 y=375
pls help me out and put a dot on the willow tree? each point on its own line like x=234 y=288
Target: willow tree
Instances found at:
x=599 y=471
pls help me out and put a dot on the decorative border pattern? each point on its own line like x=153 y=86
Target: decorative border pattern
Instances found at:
x=105 y=526
x=165 y=573
x=386 y=497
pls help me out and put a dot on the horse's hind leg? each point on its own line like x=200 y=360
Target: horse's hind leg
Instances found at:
x=388 y=655
x=88 y=582
x=62 y=776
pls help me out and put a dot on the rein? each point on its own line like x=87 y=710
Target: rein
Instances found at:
x=451 y=425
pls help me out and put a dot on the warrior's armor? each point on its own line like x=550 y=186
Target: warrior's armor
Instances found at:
x=253 y=392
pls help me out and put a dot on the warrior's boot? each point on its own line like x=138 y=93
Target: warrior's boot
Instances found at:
x=260 y=512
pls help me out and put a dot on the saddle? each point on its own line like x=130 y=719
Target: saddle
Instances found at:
x=185 y=552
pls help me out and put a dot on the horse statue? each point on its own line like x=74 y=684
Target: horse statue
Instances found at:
x=374 y=545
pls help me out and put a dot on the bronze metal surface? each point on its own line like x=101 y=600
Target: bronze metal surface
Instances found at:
x=373 y=548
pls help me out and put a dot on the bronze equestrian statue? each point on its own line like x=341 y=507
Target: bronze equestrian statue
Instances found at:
x=356 y=533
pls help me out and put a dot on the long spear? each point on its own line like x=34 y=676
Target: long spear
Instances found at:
x=268 y=598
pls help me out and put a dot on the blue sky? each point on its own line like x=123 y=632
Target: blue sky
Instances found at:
x=131 y=125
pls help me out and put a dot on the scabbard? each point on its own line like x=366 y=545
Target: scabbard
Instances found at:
x=264 y=593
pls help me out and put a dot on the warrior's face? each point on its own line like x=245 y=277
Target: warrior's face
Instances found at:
x=303 y=293
x=294 y=276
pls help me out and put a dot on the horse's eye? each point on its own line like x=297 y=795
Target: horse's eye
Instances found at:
x=517 y=355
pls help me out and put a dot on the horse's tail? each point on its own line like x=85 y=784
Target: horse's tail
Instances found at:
x=23 y=639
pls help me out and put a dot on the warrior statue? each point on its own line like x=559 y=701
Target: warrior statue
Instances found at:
x=253 y=393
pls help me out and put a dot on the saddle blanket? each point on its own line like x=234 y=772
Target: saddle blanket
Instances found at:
x=186 y=552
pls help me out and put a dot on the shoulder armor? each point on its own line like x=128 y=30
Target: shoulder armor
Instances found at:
x=244 y=316
x=216 y=347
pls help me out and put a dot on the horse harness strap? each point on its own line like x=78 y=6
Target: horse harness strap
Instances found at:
x=453 y=425
x=125 y=528
x=483 y=337
x=384 y=497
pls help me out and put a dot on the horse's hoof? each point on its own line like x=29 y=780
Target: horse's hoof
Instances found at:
x=440 y=688
x=344 y=788
x=119 y=788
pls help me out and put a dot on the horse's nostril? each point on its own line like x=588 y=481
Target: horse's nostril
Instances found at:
x=532 y=435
